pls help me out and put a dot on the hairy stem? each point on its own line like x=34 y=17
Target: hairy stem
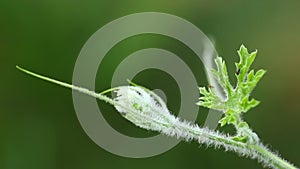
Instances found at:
x=271 y=158
x=211 y=138
x=184 y=130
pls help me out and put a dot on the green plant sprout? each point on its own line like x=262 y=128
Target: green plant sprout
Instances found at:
x=147 y=110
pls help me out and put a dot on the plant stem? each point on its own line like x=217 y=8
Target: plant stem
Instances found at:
x=273 y=158
x=184 y=130
x=211 y=138
x=79 y=89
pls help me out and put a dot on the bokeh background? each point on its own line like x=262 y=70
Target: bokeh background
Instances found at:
x=38 y=124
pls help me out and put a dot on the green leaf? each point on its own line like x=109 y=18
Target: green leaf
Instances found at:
x=238 y=99
x=208 y=99
x=246 y=59
x=222 y=76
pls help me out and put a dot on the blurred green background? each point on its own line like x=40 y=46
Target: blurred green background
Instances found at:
x=38 y=124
